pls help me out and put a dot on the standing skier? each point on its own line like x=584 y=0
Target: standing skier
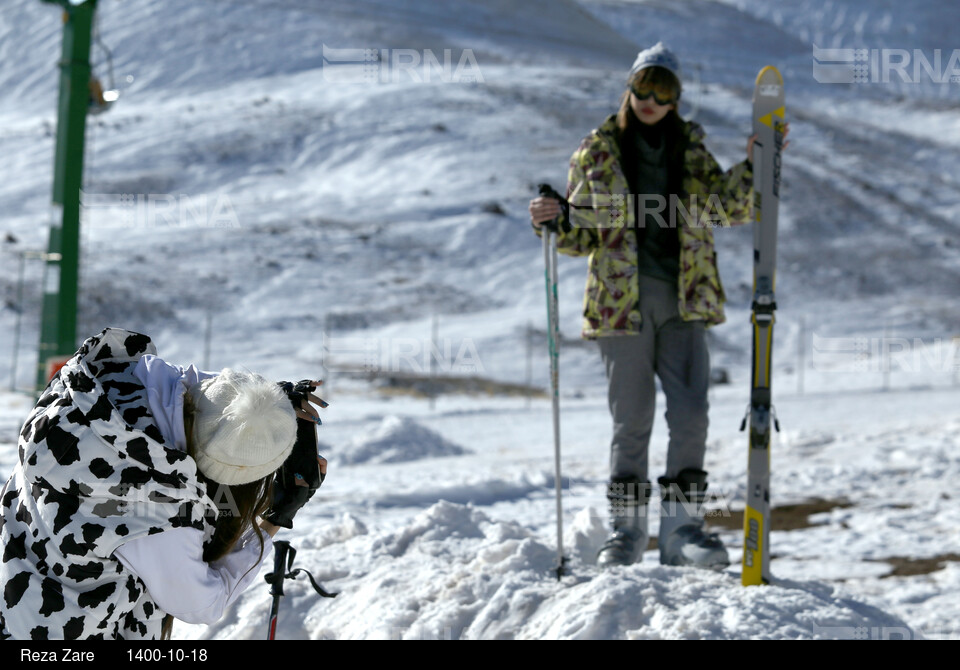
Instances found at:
x=643 y=195
x=143 y=490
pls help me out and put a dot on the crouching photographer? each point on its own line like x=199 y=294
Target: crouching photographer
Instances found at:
x=146 y=491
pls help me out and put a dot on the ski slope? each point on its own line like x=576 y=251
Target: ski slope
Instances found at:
x=330 y=227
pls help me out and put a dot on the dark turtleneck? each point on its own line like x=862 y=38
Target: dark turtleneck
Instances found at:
x=646 y=166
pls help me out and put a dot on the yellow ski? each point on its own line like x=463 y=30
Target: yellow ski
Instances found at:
x=768 y=125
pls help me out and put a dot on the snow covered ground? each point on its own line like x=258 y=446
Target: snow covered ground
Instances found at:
x=329 y=221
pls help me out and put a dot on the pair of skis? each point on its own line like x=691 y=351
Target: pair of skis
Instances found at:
x=769 y=126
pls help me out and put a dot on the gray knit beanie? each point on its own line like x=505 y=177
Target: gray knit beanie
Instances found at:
x=656 y=56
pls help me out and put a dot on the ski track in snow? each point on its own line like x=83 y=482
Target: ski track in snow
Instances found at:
x=362 y=211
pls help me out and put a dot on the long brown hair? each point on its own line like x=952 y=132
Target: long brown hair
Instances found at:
x=238 y=507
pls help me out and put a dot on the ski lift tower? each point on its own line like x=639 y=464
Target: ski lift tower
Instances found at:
x=58 y=326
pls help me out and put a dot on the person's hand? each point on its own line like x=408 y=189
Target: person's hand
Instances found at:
x=750 y=142
x=303 y=398
x=307 y=412
x=543 y=210
x=304 y=470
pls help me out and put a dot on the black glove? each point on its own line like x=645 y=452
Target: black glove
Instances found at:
x=299 y=477
x=547 y=191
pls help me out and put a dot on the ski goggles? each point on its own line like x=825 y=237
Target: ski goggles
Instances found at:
x=662 y=95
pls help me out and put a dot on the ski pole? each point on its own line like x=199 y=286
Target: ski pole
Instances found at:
x=283 y=555
x=275 y=579
x=553 y=337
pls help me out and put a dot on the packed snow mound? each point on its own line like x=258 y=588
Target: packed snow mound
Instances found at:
x=453 y=572
x=398 y=439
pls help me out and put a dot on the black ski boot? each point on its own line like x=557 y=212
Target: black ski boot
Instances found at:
x=628 y=498
x=682 y=539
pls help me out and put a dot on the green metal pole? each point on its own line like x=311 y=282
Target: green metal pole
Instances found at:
x=58 y=329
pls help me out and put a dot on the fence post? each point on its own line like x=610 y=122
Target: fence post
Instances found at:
x=434 y=348
x=885 y=357
x=956 y=360
x=207 y=339
x=801 y=352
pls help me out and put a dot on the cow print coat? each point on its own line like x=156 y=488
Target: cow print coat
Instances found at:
x=93 y=473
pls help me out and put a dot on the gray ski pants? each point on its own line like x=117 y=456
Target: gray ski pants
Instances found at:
x=675 y=351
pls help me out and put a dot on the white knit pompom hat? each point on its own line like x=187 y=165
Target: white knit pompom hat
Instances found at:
x=244 y=427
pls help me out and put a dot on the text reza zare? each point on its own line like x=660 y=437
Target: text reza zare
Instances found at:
x=63 y=655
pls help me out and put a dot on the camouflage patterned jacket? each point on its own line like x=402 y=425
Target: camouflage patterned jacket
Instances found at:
x=602 y=218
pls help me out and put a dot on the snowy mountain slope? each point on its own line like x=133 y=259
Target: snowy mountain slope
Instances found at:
x=299 y=152
x=294 y=150
x=301 y=204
